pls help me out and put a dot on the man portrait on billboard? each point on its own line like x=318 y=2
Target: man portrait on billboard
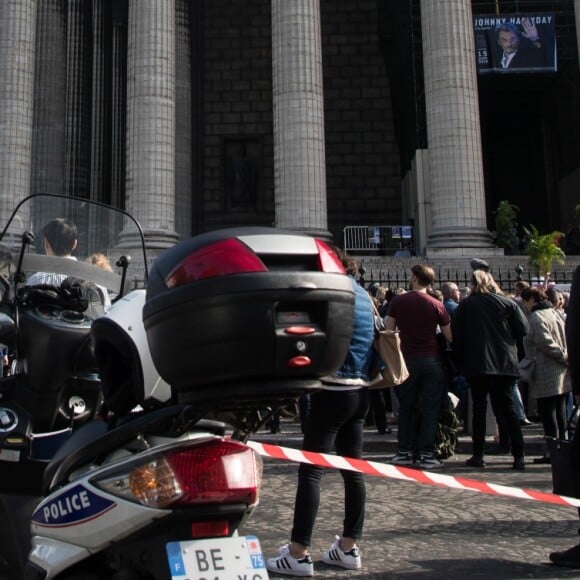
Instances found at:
x=519 y=47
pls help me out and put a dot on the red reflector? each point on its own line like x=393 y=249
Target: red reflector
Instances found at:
x=300 y=330
x=328 y=260
x=220 y=259
x=218 y=471
x=210 y=529
x=299 y=361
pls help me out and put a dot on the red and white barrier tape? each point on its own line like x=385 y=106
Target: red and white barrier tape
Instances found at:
x=407 y=474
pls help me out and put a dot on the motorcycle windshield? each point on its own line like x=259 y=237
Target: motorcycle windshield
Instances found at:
x=106 y=239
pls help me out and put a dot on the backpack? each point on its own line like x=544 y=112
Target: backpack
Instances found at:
x=447 y=438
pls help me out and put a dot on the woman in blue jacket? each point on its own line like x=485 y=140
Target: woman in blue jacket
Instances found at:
x=335 y=421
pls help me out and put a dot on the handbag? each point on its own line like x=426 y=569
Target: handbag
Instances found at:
x=387 y=343
x=527 y=368
x=565 y=459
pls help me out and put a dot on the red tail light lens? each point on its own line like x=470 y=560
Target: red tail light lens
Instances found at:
x=220 y=259
x=220 y=471
x=329 y=261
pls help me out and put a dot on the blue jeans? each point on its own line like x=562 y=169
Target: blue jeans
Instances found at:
x=335 y=421
x=420 y=399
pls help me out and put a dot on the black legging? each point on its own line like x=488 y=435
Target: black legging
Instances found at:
x=552 y=411
x=335 y=422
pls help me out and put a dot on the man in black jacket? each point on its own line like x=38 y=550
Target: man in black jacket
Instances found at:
x=571 y=557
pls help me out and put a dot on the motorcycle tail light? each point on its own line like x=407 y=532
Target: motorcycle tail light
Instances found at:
x=216 y=471
x=328 y=260
x=226 y=257
x=221 y=471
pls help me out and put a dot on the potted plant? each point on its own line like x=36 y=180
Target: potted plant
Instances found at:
x=543 y=250
x=506 y=226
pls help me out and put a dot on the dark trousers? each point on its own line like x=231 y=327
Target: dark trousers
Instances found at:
x=576 y=456
x=552 y=411
x=499 y=388
x=420 y=399
x=380 y=404
x=335 y=421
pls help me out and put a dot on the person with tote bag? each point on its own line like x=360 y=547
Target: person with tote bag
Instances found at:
x=571 y=557
x=335 y=423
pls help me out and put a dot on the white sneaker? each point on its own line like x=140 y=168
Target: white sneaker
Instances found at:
x=285 y=563
x=335 y=556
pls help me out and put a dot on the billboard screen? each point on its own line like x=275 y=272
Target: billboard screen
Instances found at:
x=515 y=43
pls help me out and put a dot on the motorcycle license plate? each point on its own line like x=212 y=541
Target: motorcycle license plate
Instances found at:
x=217 y=559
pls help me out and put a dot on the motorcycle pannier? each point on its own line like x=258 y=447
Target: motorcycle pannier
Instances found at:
x=248 y=309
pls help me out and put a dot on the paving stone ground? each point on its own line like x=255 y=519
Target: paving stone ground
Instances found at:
x=417 y=531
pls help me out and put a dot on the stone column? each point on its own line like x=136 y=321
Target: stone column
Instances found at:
x=49 y=99
x=17 y=44
x=78 y=99
x=150 y=181
x=117 y=154
x=184 y=129
x=101 y=111
x=453 y=130
x=299 y=154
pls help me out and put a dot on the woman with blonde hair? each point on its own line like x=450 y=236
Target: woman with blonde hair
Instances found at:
x=100 y=260
x=486 y=330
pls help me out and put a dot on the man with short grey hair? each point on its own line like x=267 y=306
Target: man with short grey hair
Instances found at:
x=451 y=296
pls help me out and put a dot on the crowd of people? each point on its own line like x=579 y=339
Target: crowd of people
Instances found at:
x=445 y=357
x=443 y=354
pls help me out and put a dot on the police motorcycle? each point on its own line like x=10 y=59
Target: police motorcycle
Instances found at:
x=160 y=484
x=49 y=379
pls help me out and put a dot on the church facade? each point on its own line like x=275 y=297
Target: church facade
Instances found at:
x=310 y=115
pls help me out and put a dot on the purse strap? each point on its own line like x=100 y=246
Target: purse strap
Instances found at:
x=378 y=319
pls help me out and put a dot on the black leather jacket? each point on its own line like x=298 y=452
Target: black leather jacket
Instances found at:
x=486 y=329
x=573 y=332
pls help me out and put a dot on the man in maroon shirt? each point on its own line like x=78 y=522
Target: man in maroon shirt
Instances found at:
x=419 y=317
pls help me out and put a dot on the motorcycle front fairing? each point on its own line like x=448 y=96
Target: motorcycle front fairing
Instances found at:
x=51 y=384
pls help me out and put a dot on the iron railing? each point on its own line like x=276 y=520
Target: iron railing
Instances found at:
x=379 y=240
x=399 y=277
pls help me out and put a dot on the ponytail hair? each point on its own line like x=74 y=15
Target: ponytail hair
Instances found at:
x=483 y=283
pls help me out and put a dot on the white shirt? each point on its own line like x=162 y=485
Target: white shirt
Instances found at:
x=506 y=59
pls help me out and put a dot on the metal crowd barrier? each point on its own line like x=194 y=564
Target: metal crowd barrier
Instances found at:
x=397 y=240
